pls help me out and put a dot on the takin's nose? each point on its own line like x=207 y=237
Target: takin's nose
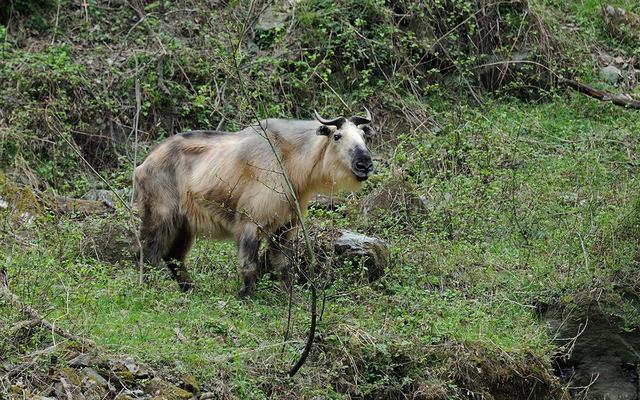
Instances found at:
x=363 y=166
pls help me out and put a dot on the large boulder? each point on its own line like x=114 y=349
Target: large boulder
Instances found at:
x=343 y=255
x=369 y=252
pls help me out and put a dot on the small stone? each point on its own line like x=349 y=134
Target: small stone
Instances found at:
x=270 y=19
x=607 y=58
x=15 y=389
x=82 y=360
x=71 y=376
x=611 y=73
x=137 y=371
x=127 y=394
x=162 y=389
x=27 y=219
x=107 y=197
x=189 y=383
x=94 y=376
x=71 y=390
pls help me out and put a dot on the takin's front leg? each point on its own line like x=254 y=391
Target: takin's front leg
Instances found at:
x=279 y=254
x=174 y=258
x=169 y=239
x=248 y=244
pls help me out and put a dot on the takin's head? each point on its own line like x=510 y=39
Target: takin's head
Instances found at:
x=348 y=158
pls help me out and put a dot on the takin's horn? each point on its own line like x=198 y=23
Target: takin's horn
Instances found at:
x=331 y=122
x=362 y=120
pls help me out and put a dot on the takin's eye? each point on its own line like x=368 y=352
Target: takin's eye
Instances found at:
x=337 y=136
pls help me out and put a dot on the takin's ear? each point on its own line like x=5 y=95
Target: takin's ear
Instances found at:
x=323 y=130
x=368 y=131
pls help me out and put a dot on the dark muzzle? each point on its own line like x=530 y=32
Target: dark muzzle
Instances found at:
x=362 y=166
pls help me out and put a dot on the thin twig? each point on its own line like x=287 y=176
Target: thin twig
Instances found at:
x=136 y=119
x=160 y=72
x=296 y=207
x=32 y=313
x=55 y=27
x=150 y=30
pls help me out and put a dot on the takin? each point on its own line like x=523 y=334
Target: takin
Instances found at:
x=228 y=185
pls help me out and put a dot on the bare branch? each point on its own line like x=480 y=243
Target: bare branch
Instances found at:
x=617 y=99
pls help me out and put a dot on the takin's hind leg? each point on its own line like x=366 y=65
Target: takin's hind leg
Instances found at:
x=248 y=244
x=174 y=258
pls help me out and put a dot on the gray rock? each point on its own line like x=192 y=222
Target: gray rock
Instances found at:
x=66 y=390
x=26 y=219
x=129 y=369
x=607 y=58
x=372 y=251
x=597 y=346
x=271 y=19
x=611 y=74
x=167 y=390
x=275 y=16
x=94 y=376
x=3 y=204
x=127 y=394
x=82 y=360
x=108 y=197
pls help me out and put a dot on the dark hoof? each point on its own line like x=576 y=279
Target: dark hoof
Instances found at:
x=248 y=287
x=186 y=286
x=246 y=293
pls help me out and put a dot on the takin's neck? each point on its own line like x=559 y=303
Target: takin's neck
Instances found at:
x=306 y=169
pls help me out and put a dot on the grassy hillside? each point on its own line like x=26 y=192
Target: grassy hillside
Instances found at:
x=494 y=206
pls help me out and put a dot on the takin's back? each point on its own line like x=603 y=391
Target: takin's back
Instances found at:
x=217 y=180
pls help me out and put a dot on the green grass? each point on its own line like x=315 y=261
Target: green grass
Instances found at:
x=532 y=218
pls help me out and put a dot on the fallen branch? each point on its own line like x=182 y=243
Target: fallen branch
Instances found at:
x=6 y=293
x=70 y=205
x=617 y=99
x=621 y=100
